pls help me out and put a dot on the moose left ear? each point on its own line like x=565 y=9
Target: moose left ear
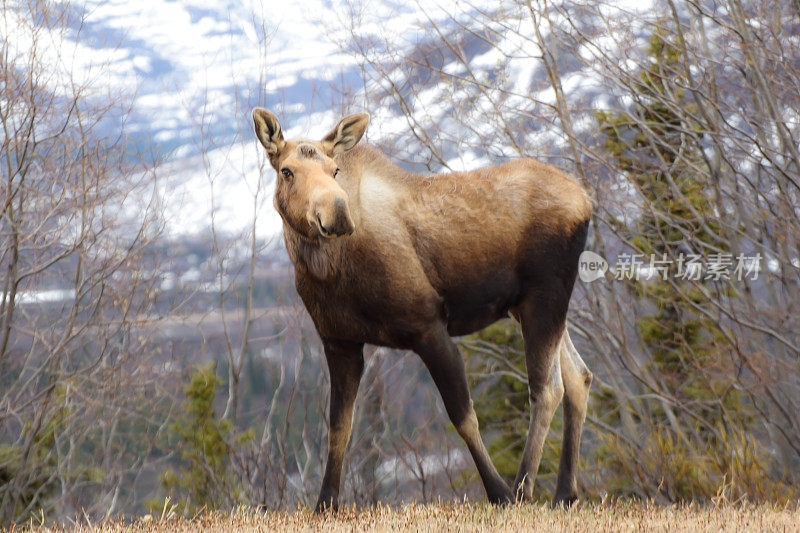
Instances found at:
x=346 y=134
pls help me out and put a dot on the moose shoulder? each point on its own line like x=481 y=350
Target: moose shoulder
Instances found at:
x=391 y=258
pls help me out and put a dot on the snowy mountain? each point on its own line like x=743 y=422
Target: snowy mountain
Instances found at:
x=197 y=67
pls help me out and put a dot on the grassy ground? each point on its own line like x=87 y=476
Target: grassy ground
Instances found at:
x=476 y=517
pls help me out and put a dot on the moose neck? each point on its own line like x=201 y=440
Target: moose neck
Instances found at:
x=319 y=259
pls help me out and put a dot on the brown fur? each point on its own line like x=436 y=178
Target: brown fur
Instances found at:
x=420 y=258
x=460 y=246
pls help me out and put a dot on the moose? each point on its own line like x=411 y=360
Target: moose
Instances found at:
x=391 y=258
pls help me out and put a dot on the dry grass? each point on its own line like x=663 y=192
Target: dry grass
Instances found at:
x=473 y=517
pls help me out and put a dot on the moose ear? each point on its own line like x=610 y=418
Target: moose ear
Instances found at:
x=268 y=131
x=346 y=134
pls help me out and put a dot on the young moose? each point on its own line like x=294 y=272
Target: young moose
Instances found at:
x=391 y=258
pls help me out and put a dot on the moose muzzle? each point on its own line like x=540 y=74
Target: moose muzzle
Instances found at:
x=330 y=214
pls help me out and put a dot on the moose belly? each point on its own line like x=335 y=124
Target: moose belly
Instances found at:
x=474 y=302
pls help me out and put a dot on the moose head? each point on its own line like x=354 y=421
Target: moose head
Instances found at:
x=307 y=195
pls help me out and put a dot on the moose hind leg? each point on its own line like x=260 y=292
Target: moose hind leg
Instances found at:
x=577 y=380
x=345 y=365
x=542 y=344
x=446 y=367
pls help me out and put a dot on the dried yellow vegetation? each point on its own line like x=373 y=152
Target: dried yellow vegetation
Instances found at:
x=621 y=516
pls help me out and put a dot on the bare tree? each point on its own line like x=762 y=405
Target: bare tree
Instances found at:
x=483 y=82
x=79 y=282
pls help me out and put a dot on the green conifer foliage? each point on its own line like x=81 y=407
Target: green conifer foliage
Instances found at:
x=202 y=480
x=656 y=146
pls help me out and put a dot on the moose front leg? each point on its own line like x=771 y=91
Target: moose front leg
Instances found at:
x=345 y=366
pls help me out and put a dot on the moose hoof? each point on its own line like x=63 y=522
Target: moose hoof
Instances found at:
x=501 y=497
x=564 y=500
x=326 y=503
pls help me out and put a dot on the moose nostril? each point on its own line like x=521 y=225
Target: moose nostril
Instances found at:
x=322 y=228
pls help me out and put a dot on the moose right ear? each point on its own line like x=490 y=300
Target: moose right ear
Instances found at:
x=268 y=131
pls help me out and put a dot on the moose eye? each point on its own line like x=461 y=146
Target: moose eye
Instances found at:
x=335 y=173
x=287 y=173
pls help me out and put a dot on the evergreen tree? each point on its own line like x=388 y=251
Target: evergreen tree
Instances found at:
x=202 y=479
x=655 y=144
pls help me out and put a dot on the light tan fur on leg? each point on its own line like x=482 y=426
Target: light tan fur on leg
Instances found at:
x=577 y=380
x=543 y=407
